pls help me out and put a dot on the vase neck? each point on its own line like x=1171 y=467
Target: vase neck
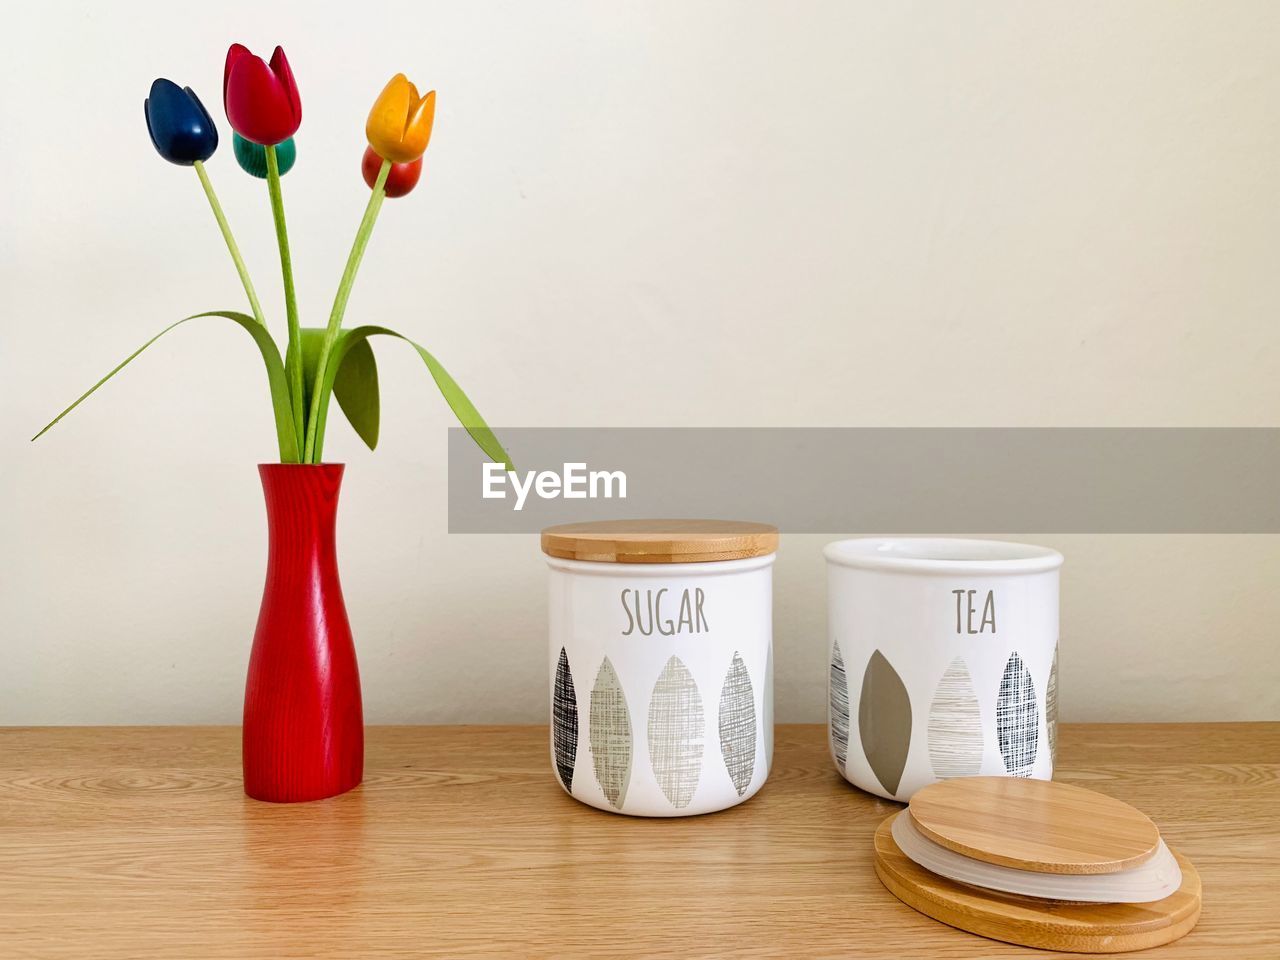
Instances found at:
x=302 y=504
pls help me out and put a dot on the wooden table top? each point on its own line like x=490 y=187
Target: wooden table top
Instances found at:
x=137 y=841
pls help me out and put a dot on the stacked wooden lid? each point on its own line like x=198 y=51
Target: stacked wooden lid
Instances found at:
x=1038 y=863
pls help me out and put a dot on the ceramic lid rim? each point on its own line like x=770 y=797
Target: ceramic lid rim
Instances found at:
x=934 y=555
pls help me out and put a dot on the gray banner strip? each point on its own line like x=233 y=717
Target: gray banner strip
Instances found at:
x=866 y=480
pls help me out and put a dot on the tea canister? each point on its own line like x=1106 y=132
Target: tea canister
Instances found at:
x=943 y=661
x=661 y=667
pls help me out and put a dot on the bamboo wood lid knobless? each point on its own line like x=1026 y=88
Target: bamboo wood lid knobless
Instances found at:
x=1034 y=825
x=660 y=541
x=1031 y=921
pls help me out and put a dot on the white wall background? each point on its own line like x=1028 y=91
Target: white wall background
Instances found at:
x=793 y=213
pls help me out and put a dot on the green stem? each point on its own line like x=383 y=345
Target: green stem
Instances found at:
x=312 y=451
x=231 y=242
x=293 y=354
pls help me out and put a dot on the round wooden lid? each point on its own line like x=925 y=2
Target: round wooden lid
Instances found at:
x=1031 y=921
x=1034 y=825
x=659 y=541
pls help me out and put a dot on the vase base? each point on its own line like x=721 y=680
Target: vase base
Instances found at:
x=296 y=795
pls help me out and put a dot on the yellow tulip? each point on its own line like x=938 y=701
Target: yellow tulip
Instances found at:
x=399 y=125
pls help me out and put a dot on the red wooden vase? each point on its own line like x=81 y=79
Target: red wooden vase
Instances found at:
x=303 y=720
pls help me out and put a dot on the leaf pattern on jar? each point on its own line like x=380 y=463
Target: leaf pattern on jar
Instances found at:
x=676 y=732
x=884 y=722
x=838 y=702
x=1017 y=718
x=564 y=722
x=610 y=738
x=955 y=725
x=738 y=724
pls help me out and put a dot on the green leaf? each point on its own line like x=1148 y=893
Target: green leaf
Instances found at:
x=462 y=407
x=356 y=389
x=311 y=339
x=276 y=381
x=355 y=385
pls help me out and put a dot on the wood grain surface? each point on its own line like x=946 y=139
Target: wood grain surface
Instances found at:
x=1032 y=922
x=1040 y=825
x=659 y=541
x=131 y=842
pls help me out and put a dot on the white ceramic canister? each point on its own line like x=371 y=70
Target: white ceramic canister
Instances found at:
x=661 y=663
x=943 y=661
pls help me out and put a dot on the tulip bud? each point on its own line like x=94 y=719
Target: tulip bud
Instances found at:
x=399 y=125
x=252 y=157
x=261 y=101
x=180 y=127
x=402 y=177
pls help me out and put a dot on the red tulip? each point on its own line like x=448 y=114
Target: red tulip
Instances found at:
x=261 y=101
x=402 y=177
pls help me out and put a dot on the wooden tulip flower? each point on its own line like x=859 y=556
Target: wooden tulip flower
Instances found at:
x=264 y=107
x=261 y=100
x=398 y=131
x=401 y=178
x=252 y=157
x=182 y=132
x=399 y=125
x=181 y=129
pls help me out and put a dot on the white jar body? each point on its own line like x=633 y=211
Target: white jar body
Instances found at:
x=937 y=674
x=661 y=683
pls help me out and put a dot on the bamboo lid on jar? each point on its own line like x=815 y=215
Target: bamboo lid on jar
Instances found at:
x=660 y=541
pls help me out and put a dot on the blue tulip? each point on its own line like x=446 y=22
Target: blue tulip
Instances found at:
x=180 y=126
